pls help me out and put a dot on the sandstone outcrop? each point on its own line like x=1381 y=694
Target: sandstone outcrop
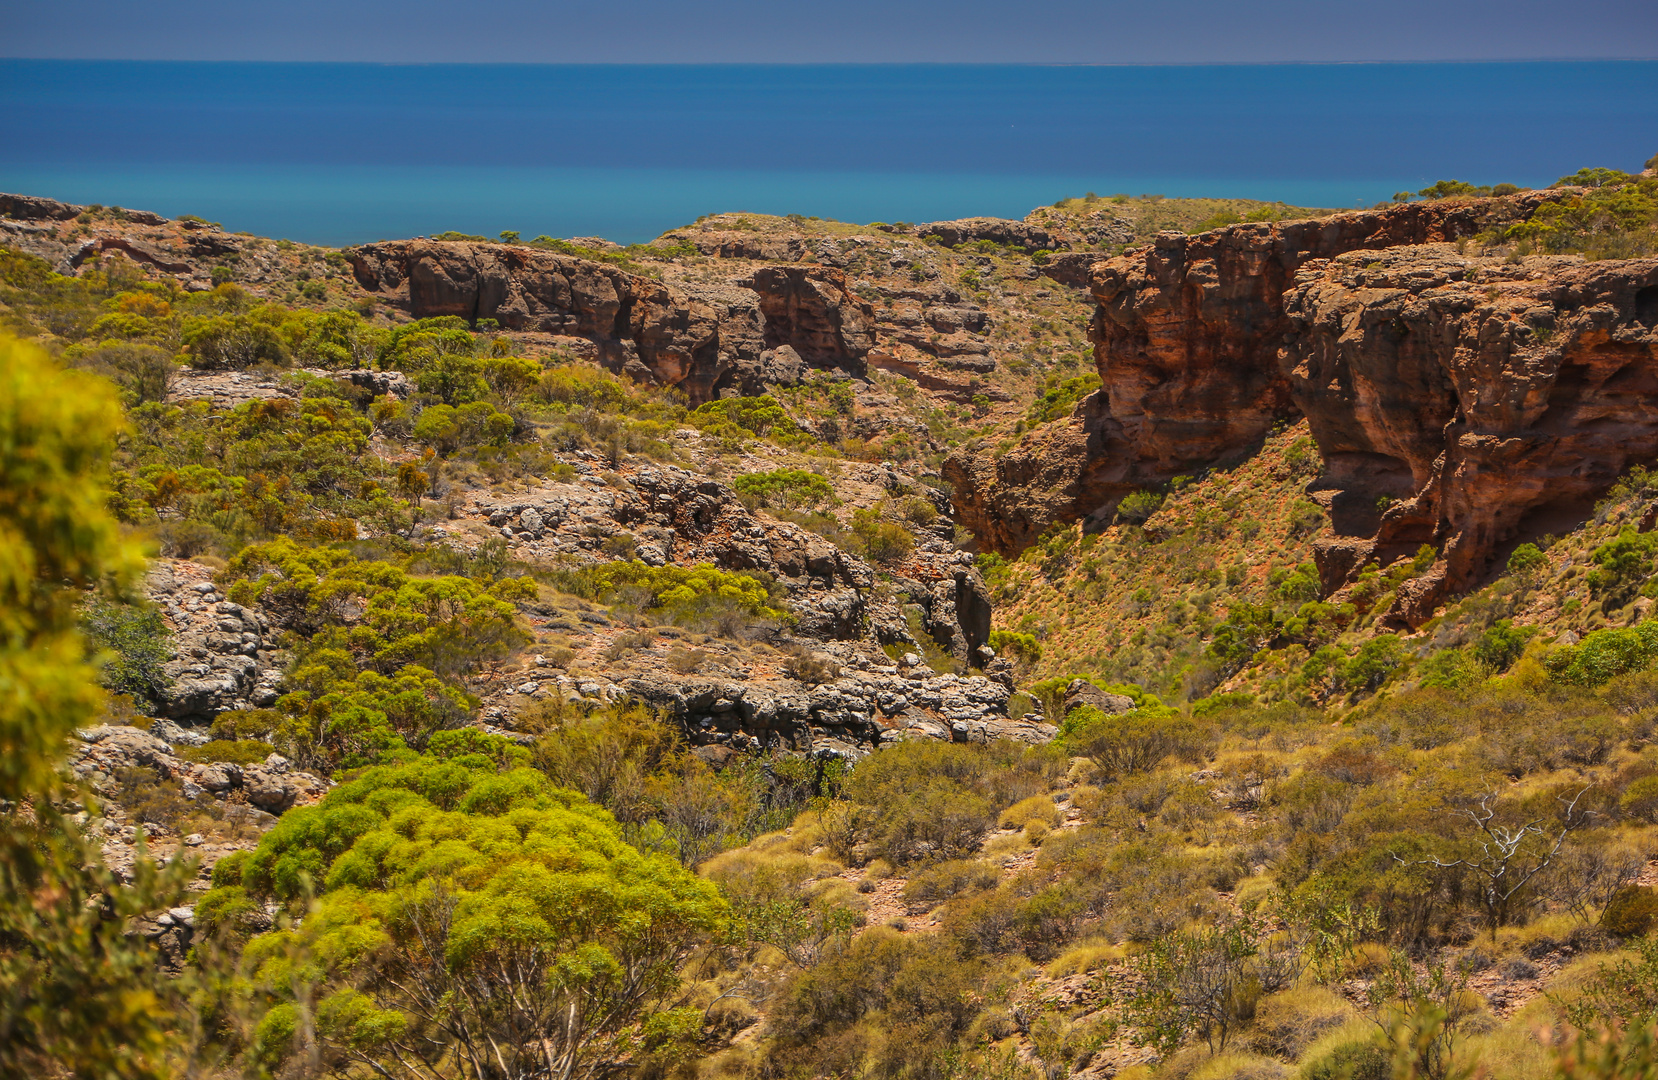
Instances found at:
x=1000 y=231
x=702 y=338
x=1469 y=391
x=36 y=208
x=1473 y=395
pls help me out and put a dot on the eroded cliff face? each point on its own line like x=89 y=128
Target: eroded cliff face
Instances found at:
x=703 y=338
x=1464 y=393
x=1472 y=395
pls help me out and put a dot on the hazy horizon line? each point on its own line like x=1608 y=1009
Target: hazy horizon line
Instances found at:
x=845 y=63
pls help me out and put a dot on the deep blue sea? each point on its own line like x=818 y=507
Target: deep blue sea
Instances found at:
x=340 y=153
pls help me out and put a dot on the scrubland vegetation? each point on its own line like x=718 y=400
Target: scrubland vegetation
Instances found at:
x=1314 y=844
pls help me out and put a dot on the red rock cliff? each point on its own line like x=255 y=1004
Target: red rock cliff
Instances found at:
x=1469 y=391
x=702 y=338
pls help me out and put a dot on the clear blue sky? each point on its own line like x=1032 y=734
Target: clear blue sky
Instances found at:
x=867 y=31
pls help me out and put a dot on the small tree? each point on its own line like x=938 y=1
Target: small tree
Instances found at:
x=1420 y=1011
x=1509 y=856
x=1205 y=983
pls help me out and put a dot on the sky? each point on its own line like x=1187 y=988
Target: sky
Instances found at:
x=847 y=31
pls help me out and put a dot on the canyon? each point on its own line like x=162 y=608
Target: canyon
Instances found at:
x=1453 y=397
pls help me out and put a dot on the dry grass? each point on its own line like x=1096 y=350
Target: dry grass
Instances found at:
x=1036 y=808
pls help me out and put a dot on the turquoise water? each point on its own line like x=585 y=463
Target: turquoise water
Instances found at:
x=338 y=153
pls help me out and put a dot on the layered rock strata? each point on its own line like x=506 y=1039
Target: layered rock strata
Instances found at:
x=1471 y=392
x=703 y=338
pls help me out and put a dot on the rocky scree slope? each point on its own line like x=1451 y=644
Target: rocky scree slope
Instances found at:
x=860 y=697
x=1449 y=395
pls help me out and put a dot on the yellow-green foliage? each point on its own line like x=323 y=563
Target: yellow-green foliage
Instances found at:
x=494 y=870
x=1084 y=957
x=1036 y=808
x=57 y=431
x=1288 y=1022
x=941 y=881
x=702 y=591
x=78 y=996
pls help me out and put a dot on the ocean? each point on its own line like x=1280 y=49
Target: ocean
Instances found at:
x=344 y=153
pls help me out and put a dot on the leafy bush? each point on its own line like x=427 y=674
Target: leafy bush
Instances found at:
x=1205 y=983
x=785 y=487
x=1023 y=646
x=702 y=594
x=1060 y=397
x=1622 y=565
x=1604 y=655
x=883 y=1005
x=736 y=417
x=135 y=644
x=1632 y=911
x=448 y=429
x=1526 y=560
x=1135 y=741
x=460 y=883
x=880 y=540
x=1137 y=506
x=926 y=800
x=941 y=881
x=1616 y=218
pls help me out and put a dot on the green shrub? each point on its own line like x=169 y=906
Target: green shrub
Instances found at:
x=135 y=644
x=1501 y=645
x=1604 y=655
x=785 y=487
x=237 y=752
x=1023 y=646
x=1631 y=912
x=1526 y=560
x=883 y=1005
x=1059 y=398
x=944 y=880
x=1373 y=663
x=881 y=541
x=920 y=511
x=759 y=416
x=480 y=861
x=1640 y=799
x=702 y=594
x=1135 y=741
x=1622 y=565
x=1137 y=506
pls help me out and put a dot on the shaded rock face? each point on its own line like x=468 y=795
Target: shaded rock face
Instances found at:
x=1472 y=396
x=35 y=208
x=1003 y=231
x=1187 y=335
x=1470 y=393
x=704 y=339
